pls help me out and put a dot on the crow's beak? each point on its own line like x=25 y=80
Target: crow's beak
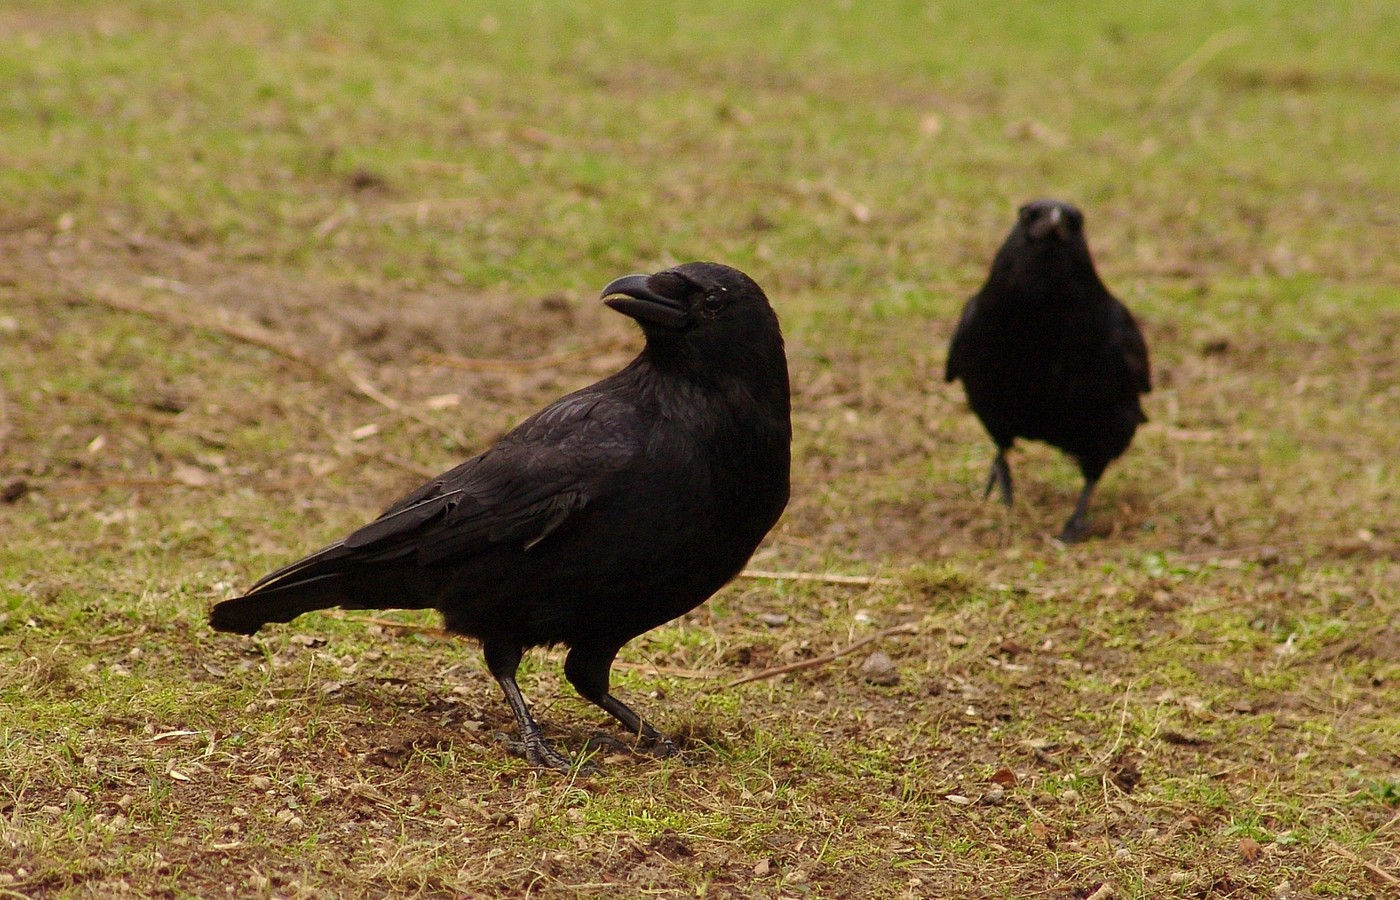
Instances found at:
x=631 y=296
x=1055 y=222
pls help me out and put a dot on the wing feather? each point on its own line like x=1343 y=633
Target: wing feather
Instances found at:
x=523 y=489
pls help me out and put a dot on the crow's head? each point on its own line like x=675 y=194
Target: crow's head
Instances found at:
x=710 y=315
x=1046 y=249
x=1043 y=220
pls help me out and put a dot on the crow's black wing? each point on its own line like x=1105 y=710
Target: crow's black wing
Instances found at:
x=1130 y=344
x=523 y=489
x=958 y=346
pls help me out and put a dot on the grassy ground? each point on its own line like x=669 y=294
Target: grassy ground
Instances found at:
x=257 y=260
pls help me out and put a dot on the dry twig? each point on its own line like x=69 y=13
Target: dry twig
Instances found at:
x=823 y=577
x=653 y=669
x=1376 y=871
x=256 y=335
x=113 y=638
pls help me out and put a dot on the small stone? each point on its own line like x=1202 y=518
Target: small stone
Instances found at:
x=878 y=668
x=773 y=620
x=763 y=867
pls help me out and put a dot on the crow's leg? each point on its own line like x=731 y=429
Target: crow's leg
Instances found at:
x=588 y=671
x=503 y=660
x=1000 y=477
x=1077 y=526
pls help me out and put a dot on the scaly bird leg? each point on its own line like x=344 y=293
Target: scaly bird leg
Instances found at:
x=1000 y=476
x=588 y=671
x=1077 y=526
x=503 y=662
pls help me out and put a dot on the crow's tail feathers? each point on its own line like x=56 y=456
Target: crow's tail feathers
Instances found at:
x=330 y=577
x=279 y=602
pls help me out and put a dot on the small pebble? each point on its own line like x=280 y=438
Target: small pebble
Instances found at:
x=879 y=669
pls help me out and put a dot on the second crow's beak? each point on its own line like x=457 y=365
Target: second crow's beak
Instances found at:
x=632 y=296
x=1053 y=221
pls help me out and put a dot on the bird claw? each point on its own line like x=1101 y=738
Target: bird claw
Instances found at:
x=662 y=748
x=1075 y=530
x=542 y=755
x=608 y=743
x=659 y=746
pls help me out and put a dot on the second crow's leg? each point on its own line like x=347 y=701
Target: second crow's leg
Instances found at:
x=1000 y=477
x=503 y=662
x=588 y=671
x=1077 y=526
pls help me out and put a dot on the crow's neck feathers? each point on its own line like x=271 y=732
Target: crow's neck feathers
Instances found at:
x=1028 y=274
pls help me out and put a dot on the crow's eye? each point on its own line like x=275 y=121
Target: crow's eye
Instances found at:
x=712 y=303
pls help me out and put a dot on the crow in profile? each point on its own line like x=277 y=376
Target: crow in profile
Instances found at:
x=611 y=511
x=1046 y=353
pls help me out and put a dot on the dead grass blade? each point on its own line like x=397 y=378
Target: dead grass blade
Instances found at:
x=431 y=630
x=1189 y=67
x=361 y=384
x=4 y=420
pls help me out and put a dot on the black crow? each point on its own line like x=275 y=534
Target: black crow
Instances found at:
x=1046 y=353
x=613 y=510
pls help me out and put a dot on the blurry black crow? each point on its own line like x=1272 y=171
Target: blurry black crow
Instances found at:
x=613 y=510
x=1046 y=353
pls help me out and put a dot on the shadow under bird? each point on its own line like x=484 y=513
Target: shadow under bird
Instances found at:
x=1046 y=353
x=609 y=512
